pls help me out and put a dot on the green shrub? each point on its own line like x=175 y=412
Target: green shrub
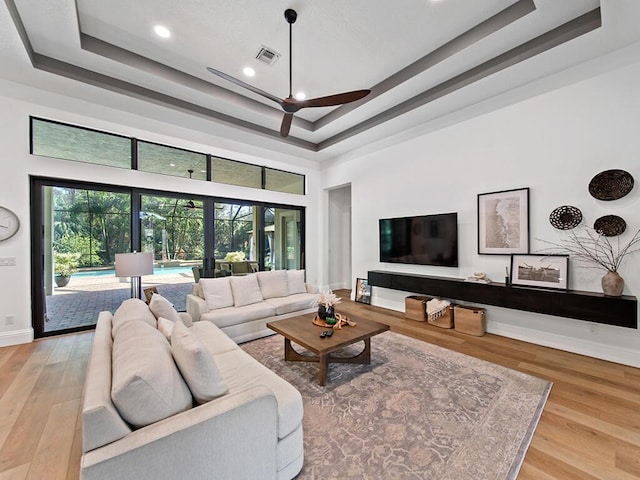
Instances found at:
x=65 y=263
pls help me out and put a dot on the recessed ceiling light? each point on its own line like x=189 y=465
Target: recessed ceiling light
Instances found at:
x=162 y=31
x=300 y=95
x=248 y=71
x=172 y=164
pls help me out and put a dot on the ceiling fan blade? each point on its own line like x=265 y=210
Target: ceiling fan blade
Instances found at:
x=331 y=100
x=286 y=124
x=242 y=84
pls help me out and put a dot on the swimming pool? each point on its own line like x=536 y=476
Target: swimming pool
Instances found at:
x=156 y=271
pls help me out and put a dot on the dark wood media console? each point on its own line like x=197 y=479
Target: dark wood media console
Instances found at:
x=589 y=306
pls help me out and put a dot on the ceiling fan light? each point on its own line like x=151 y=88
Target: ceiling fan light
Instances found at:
x=162 y=31
x=300 y=95
x=249 y=72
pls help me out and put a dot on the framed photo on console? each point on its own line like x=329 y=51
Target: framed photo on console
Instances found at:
x=503 y=222
x=363 y=291
x=547 y=271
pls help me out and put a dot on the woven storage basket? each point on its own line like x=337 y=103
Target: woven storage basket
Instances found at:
x=415 y=308
x=470 y=320
x=444 y=320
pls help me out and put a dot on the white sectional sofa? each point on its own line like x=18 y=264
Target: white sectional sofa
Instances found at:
x=165 y=401
x=242 y=306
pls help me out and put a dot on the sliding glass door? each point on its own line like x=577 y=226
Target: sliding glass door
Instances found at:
x=283 y=239
x=172 y=228
x=270 y=237
x=82 y=230
x=79 y=227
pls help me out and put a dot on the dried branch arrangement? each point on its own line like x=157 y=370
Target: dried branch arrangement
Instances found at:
x=595 y=249
x=328 y=299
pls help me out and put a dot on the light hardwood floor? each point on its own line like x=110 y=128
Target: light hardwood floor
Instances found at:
x=590 y=428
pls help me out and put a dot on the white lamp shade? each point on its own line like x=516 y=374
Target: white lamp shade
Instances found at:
x=134 y=264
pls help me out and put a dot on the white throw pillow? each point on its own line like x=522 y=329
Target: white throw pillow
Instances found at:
x=161 y=307
x=217 y=292
x=166 y=327
x=129 y=310
x=197 y=365
x=295 y=281
x=146 y=385
x=186 y=319
x=196 y=290
x=245 y=290
x=273 y=283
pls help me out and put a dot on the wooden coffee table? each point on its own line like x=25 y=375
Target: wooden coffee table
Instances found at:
x=302 y=331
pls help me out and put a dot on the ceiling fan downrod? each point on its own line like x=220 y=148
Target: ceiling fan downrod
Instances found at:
x=291 y=16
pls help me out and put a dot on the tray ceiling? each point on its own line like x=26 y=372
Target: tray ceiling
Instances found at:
x=422 y=59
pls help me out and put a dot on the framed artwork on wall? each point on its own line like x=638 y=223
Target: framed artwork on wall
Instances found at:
x=547 y=271
x=363 y=291
x=503 y=222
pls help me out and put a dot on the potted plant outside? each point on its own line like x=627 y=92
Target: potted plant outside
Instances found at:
x=234 y=257
x=65 y=264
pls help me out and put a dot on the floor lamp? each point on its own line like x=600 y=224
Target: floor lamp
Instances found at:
x=134 y=265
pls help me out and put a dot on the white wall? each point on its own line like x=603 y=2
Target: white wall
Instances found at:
x=17 y=103
x=553 y=143
x=339 y=232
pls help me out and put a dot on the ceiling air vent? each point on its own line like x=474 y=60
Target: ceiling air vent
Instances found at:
x=267 y=55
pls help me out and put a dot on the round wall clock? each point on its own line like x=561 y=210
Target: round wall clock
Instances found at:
x=9 y=223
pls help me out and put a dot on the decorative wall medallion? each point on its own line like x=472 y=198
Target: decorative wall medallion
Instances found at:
x=565 y=217
x=611 y=185
x=610 y=225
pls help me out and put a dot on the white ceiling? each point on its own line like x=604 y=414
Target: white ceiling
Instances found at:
x=423 y=59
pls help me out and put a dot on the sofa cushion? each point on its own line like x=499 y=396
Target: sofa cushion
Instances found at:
x=197 y=365
x=295 y=282
x=185 y=317
x=245 y=290
x=146 y=385
x=239 y=369
x=225 y=317
x=290 y=448
x=217 y=292
x=196 y=289
x=165 y=327
x=129 y=310
x=293 y=303
x=273 y=283
x=213 y=338
x=161 y=307
x=101 y=421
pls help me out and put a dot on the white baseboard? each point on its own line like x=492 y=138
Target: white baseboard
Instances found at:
x=16 y=337
x=580 y=346
x=618 y=354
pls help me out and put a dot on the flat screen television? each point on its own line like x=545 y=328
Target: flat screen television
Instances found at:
x=422 y=240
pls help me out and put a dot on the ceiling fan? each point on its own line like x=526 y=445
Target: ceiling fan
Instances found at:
x=291 y=105
x=191 y=204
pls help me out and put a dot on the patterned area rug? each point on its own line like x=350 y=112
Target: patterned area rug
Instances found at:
x=418 y=411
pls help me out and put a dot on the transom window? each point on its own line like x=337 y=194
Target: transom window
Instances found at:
x=80 y=144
